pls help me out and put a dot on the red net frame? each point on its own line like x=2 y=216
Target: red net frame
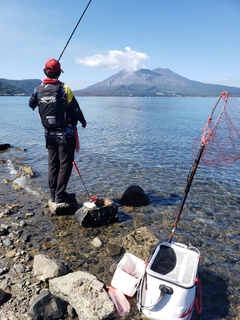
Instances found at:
x=218 y=145
x=221 y=134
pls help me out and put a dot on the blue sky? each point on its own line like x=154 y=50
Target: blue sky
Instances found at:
x=198 y=39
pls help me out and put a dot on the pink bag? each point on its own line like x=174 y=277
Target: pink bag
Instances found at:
x=121 y=304
x=75 y=132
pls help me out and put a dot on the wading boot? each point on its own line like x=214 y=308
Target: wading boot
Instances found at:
x=65 y=197
x=53 y=196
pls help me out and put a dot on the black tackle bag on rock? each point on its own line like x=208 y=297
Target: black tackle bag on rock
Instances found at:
x=101 y=212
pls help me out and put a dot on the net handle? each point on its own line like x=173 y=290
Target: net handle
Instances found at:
x=224 y=95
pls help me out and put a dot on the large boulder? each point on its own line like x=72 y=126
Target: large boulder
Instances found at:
x=134 y=196
x=82 y=291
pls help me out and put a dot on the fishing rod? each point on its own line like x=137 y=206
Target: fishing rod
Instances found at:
x=74 y=30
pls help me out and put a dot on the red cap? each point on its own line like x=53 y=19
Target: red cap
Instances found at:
x=52 y=66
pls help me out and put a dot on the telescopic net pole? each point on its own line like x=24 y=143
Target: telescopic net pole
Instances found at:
x=74 y=30
x=190 y=179
x=209 y=139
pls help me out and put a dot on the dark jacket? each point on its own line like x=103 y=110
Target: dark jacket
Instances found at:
x=74 y=113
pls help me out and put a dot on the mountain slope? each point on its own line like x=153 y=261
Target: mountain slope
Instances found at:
x=156 y=82
x=13 y=87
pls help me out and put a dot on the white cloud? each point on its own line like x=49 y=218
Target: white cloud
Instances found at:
x=232 y=82
x=223 y=80
x=130 y=60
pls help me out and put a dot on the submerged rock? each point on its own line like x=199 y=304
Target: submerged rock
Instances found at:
x=4 y=146
x=25 y=171
x=135 y=196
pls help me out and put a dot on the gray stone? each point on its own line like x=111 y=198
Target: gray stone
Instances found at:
x=75 y=288
x=19 y=268
x=46 y=306
x=113 y=249
x=7 y=242
x=44 y=268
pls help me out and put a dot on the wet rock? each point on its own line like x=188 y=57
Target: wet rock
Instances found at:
x=44 y=268
x=16 y=186
x=113 y=249
x=134 y=196
x=63 y=208
x=4 y=146
x=6 y=181
x=140 y=242
x=76 y=289
x=47 y=306
x=25 y=171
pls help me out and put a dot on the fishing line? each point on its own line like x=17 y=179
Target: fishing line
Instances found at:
x=74 y=30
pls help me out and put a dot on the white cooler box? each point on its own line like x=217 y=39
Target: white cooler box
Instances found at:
x=128 y=274
x=167 y=290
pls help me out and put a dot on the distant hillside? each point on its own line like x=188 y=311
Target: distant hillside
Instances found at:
x=18 y=87
x=156 y=82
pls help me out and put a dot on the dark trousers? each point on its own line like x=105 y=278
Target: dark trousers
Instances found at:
x=60 y=158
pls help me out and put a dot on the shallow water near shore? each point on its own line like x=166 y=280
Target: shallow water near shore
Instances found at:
x=134 y=141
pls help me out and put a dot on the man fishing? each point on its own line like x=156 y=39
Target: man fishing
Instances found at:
x=59 y=112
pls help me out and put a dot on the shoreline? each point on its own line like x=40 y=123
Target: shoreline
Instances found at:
x=61 y=238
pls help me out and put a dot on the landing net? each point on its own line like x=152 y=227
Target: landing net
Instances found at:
x=221 y=135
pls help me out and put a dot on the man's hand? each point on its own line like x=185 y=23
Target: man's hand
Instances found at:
x=84 y=125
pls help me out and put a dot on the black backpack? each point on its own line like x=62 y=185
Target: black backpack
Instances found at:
x=51 y=106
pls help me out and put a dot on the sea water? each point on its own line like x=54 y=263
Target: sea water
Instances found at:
x=127 y=141
x=145 y=142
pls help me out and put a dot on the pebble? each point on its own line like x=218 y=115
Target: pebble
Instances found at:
x=96 y=242
x=7 y=242
x=11 y=254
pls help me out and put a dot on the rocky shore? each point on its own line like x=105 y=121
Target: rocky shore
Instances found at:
x=28 y=230
x=30 y=233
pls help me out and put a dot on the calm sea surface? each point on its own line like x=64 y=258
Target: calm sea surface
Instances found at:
x=145 y=142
